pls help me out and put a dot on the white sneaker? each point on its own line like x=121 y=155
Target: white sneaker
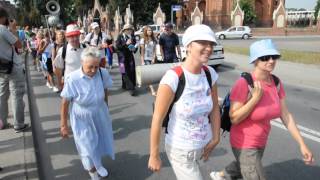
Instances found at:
x=49 y=85
x=94 y=175
x=102 y=171
x=55 y=89
x=215 y=175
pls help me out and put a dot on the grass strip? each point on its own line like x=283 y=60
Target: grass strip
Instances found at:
x=286 y=55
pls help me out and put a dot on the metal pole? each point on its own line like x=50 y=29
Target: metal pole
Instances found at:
x=46 y=17
x=171 y=15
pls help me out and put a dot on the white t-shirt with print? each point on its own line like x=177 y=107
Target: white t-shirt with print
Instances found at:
x=149 y=49
x=189 y=126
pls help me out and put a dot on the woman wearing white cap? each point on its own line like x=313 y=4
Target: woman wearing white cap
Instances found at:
x=194 y=121
x=251 y=117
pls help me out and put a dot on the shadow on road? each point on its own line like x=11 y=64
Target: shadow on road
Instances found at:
x=298 y=171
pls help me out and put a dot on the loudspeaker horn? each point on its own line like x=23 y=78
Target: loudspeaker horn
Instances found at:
x=53 y=7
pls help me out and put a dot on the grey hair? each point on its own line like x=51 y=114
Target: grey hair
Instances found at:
x=90 y=52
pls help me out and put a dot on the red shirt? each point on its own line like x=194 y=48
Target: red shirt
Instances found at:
x=253 y=131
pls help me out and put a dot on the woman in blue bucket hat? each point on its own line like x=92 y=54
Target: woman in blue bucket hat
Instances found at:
x=251 y=111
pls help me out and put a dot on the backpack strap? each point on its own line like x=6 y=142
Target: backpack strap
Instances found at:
x=247 y=76
x=64 y=52
x=276 y=81
x=208 y=75
x=181 y=84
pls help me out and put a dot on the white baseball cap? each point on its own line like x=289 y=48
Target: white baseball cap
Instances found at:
x=94 y=25
x=72 y=30
x=198 y=32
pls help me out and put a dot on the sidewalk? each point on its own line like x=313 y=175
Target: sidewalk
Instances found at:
x=17 y=153
x=290 y=73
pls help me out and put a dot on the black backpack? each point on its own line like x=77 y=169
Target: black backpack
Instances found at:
x=225 y=107
x=180 y=88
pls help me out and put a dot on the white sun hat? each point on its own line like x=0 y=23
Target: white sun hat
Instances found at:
x=198 y=32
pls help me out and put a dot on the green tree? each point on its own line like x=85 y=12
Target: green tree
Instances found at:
x=316 y=9
x=30 y=13
x=249 y=13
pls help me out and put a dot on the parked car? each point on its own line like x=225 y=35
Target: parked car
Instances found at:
x=216 y=58
x=156 y=30
x=243 y=32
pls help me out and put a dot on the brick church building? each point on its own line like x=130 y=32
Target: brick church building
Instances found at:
x=217 y=13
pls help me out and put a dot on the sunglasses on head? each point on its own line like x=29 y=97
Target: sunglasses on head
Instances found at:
x=266 y=58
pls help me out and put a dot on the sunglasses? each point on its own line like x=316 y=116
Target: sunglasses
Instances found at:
x=266 y=58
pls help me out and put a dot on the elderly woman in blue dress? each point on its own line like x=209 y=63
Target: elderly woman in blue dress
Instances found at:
x=85 y=98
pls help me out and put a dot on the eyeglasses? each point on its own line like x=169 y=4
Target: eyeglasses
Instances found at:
x=266 y=58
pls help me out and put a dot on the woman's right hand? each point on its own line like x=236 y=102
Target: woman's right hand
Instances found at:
x=154 y=163
x=129 y=41
x=64 y=131
x=257 y=91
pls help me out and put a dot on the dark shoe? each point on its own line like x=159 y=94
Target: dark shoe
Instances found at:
x=0 y=168
x=133 y=93
x=22 y=129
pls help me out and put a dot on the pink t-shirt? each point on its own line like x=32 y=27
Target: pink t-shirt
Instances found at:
x=253 y=131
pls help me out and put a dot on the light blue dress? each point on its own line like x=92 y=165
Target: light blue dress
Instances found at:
x=89 y=116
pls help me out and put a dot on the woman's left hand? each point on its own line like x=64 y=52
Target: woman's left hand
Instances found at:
x=208 y=148
x=307 y=155
x=64 y=131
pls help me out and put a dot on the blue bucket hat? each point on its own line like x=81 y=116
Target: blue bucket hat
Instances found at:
x=261 y=48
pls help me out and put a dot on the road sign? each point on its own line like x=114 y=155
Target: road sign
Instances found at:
x=176 y=7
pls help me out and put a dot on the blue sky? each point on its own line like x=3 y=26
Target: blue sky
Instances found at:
x=307 y=4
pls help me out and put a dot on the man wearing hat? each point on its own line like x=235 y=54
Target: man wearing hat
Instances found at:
x=125 y=44
x=68 y=56
x=96 y=39
x=169 y=44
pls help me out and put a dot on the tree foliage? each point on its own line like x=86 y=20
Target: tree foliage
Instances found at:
x=249 y=12
x=316 y=9
x=30 y=13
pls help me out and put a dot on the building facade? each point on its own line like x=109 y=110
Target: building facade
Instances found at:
x=217 y=13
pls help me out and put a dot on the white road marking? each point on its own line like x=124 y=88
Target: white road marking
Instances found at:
x=305 y=132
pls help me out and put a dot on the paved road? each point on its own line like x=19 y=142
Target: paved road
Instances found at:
x=310 y=44
x=131 y=122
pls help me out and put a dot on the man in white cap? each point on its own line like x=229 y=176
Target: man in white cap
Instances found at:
x=96 y=39
x=68 y=56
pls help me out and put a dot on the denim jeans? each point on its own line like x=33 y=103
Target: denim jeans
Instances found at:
x=185 y=163
x=13 y=84
x=247 y=165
